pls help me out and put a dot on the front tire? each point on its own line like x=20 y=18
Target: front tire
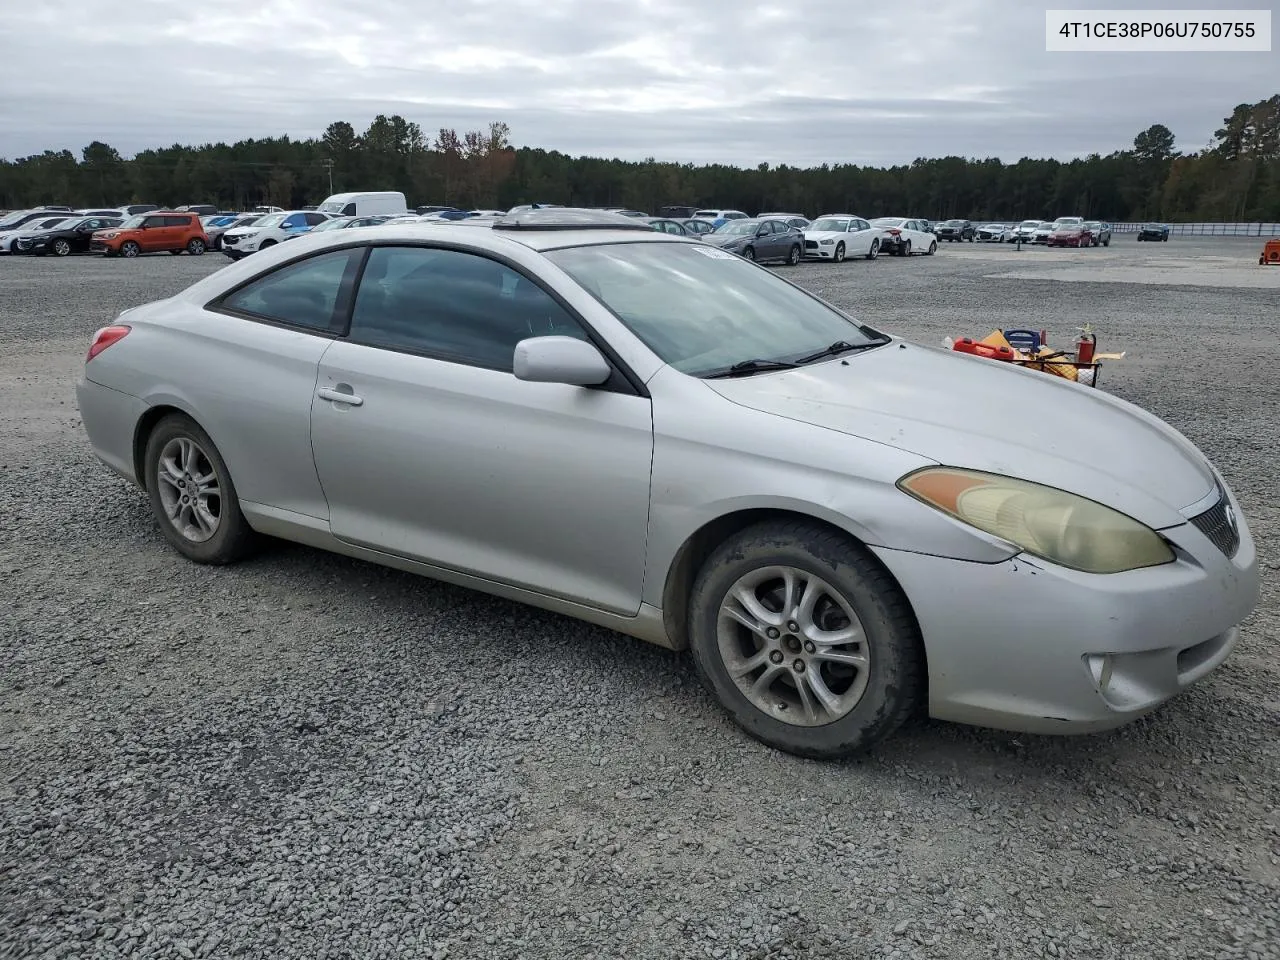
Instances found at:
x=749 y=253
x=62 y=248
x=192 y=495
x=839 y=253
x=130 y=249
x=933 y=247
x=267 y=243
x=806 y=640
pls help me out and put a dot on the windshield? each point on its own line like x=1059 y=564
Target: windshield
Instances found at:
x=333 y=206
x=1068 y=221
x=830 y=225
x=737 y=227
x=888 y=222
x=134 y=222
x=702 y=309
x=713 y=214
x=1030 y=223
x=45 y=224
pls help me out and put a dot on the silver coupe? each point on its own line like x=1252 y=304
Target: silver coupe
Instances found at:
x=652 y=434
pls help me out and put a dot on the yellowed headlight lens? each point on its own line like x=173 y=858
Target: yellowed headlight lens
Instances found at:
x=1046 y=522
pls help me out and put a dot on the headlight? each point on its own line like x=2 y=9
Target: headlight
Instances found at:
x=1042 y=521
x=827 y=242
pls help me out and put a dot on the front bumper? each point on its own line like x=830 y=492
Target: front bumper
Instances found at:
x=817 y=250
x=1028 y=646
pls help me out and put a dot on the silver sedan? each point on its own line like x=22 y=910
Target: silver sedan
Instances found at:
x=649 y=433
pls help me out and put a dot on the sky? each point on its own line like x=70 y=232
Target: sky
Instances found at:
x=740 y=82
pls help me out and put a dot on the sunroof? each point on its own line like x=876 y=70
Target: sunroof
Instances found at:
x=569 y=218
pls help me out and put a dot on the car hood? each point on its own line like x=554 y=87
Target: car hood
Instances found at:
x=829 y=234
x=245 y=231
x=988 y=415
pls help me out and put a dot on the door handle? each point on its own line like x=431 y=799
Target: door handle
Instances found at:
x=337 y=396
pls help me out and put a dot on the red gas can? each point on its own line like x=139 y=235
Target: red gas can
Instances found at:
x=969 y=345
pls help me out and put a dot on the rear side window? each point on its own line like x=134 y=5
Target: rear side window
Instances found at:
x=302 y=294
x=153 y=222
x=349 y=210
x=452 y=305
x=177 y=221
x=314 y=219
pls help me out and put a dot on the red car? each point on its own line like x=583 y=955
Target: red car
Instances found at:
x=1071 y=234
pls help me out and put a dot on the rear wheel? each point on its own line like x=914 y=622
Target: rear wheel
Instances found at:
x=195 y=246
x=130 y=249
x=806 y=640
x=192 y=495
x=906 y=249
x=875 y=249
x=793 y=255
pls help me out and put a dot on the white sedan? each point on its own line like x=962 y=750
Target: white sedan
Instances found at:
x=994 y=233
x=834 y=236
x=902 y=237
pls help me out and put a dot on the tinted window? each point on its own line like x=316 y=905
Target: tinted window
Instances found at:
x=153 y=222
x=177 y=221
x=349 y=210
x=302 y=294
x=314 y=218
x=453 y=305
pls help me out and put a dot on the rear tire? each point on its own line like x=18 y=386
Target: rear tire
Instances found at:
x=906 y=249
x=195 y=247
x=873 y=679
x=231 y=538
x=875 y=249
x=793 y=256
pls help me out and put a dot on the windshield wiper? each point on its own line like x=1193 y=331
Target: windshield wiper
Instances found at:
x=842 y=346
x=747 y=367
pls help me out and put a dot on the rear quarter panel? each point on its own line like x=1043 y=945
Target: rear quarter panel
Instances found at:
x=249 y=385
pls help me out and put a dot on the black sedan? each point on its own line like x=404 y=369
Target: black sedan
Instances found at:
x=68 y=237
x=758 y=239
x=1154 y=231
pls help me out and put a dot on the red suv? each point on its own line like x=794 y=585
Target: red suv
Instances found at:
x=159 y=230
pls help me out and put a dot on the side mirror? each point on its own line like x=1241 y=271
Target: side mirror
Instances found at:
x=560 y=360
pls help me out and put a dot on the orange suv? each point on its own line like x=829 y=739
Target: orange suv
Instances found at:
x=152 y=232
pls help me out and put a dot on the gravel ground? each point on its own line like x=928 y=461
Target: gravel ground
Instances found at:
x=309 y=757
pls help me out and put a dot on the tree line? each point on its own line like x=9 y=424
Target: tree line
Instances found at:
x=1237 y=177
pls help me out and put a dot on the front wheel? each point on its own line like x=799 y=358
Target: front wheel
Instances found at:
x=267 y=243
x=749 y=253
x=933 y=247
x=191 y=493
x=130 y=249
x=839 y=253
x=806 y=640
x=793 y=255
x=62 y=247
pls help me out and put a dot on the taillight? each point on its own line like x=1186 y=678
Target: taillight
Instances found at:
x=105 y=338
x=895 y=231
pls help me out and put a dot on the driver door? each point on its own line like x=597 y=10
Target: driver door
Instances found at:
x=441 y=455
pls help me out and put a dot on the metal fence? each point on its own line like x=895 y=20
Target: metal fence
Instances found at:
x=1208 y=229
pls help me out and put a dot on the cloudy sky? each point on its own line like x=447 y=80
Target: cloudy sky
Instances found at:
x=731 y=81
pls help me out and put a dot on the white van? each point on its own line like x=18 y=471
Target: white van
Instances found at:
x=365 y=204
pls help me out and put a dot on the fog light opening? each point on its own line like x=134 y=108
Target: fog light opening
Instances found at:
x=1100 y=668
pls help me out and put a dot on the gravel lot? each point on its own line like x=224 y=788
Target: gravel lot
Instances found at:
x=309 y=757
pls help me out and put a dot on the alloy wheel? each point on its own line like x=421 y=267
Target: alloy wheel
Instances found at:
x=189 y=489
x=793 y=645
